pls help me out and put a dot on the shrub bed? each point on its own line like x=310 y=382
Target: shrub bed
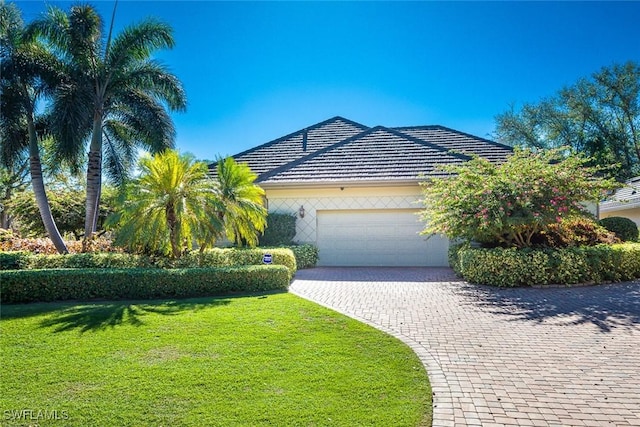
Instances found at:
x=306 y=255
x=14 y=260
x=88 y=260
x=236 y=257
x=624 y=228
x=215 y=257
x=45 y=246
x=23 y=286
x=535 y=267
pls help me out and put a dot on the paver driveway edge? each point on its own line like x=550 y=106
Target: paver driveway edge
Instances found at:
x=557 y=357
x=442 y=400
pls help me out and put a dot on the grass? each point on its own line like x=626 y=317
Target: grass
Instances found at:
x=270 y=360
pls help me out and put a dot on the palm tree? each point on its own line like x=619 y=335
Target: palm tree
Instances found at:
x=170 y=206
x=242 y=201
x=27 y=72
x=116 y=96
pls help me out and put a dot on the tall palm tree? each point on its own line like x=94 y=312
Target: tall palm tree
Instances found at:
x=27 y=72
x=116 y=95
x=172 y=204
x=243 y=212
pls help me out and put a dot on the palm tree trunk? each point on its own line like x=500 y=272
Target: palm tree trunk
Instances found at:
x=94 y=181
x=37 y=182
x=172 y=223
x=4 y=220
x=4 y=216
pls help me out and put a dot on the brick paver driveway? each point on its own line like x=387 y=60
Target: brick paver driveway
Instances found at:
x=507 y=357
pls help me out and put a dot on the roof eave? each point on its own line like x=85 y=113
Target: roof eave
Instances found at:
x=619 y=206
x=340 y=183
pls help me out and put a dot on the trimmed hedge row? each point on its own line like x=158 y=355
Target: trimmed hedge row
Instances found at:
x=535 y=267
x=23 y=286
x=216 y=257
x=306 y=255
x=624 y=228
x=17 y=260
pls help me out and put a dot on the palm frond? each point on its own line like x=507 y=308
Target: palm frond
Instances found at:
x=173 y=200
x=151 y=123
x=71 y=119
x=11 y=28
x=154 y=79
x=138 y=42
x=53 y=26
x=119 y=153
x=244 y=214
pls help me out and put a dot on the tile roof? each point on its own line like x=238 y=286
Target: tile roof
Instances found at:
x=266 y=157
x=459 y=141
x=626 y=197
x=340 y=150
x=378 y=154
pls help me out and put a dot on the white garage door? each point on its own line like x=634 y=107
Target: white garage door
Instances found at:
x=377 y=238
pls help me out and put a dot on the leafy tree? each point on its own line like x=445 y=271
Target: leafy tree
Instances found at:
x=243 y=212
x=67 y=206
x=28 y=71
x=170 y=206
x=13 y=179
x=115 y=96
x=599 y=117
x=510 y=203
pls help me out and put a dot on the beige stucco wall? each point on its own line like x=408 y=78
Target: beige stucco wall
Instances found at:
x=633 y=214
x=336 y=198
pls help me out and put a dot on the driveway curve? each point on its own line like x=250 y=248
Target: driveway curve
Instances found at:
x=502 y=357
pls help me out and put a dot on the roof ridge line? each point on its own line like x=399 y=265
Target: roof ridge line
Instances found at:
x=299 y=131
x=311 y=155
x=487 y=140
x=345 y=141
x=430 y=144
x=415 y=127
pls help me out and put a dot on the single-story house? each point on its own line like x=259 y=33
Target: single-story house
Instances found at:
x=355 y=189
x=625 y=202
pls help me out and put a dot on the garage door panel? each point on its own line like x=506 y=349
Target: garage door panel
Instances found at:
x=377 y=238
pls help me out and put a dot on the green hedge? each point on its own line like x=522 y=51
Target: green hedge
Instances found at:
x=216 y=257
x=22 y=286
x=306 y=255
x=14 y=260
x=624 y=228
x=89 y=260
x=535 y=267
x=280 y=230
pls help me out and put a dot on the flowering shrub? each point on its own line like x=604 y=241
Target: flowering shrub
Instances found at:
x=575 y=232
x=510 y=203
x=45 y=246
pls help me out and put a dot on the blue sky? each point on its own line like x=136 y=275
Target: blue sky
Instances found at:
x=255 y=71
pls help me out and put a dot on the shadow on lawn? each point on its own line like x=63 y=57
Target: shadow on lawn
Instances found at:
x=98 y=316
x=605 y=306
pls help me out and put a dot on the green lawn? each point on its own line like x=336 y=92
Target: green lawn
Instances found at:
x=272 y=360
